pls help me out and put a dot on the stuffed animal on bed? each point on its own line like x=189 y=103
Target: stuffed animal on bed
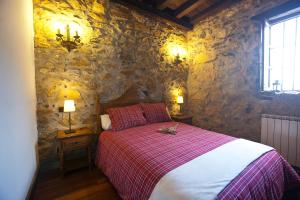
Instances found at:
x=170 y=130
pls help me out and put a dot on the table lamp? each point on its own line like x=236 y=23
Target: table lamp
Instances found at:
x=69 y=106
x=180 y=102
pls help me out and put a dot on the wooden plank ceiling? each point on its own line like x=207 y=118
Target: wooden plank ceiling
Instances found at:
x=183 y=12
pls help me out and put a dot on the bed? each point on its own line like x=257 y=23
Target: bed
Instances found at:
x=142 y=163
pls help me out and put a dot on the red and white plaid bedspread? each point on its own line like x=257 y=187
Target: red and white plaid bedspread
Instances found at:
x=135 y=160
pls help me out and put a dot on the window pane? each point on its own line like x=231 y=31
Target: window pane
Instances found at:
x=297 y=59
x=297 y=72
x=276 y=35
x=282 y=56
x=276 y=50
x=275 y=64
x=266 y=84
x=288 y=72
x=290 y=31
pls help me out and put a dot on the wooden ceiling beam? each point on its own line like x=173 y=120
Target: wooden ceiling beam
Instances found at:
x=152 y=9
x=162 y=4
x=190 y=6
x=213 y=9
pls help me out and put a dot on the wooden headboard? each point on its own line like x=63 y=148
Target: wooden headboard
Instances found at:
x=130 y=97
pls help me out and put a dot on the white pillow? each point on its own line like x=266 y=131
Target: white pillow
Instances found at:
x=105 y=122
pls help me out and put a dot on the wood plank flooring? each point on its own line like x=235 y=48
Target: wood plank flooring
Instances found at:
x=80 y=184
x=84 y=185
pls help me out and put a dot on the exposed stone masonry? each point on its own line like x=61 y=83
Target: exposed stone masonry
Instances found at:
x=121 y=47
x=223 y=81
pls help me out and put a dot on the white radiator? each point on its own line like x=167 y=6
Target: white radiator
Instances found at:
x=282 y=133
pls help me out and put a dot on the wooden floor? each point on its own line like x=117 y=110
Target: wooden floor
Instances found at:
x=85 y=185
x=80 y=184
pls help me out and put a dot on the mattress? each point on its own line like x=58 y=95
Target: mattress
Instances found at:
x=136 y=159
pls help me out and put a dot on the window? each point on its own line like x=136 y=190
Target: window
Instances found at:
x=281 y=70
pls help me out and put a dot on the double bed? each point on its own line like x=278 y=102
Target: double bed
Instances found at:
x=143 y=163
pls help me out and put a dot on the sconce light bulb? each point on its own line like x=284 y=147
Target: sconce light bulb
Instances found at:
x=68 y=32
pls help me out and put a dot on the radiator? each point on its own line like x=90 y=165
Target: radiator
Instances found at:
x=282 y=133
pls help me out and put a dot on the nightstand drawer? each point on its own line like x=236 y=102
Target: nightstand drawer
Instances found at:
x=70 y=144
x=76 y=143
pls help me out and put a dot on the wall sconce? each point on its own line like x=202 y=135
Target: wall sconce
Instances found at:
x=178 y=52
x=68 y=43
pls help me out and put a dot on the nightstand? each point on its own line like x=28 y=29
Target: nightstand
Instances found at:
x=68 y=143
x=187 y=119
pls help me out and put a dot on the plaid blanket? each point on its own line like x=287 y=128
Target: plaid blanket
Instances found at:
x=135 y=159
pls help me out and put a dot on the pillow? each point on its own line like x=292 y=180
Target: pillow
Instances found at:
x=156 y=112
x=105 y=122
x=126 y=117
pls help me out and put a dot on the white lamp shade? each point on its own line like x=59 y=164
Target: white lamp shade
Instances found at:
x=69 y=106
x=180 y=99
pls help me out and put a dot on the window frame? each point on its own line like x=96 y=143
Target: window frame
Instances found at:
x=267 y=48
x=275 y=15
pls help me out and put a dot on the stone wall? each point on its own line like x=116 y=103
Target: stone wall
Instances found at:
x=223 y=80
x=121 y=47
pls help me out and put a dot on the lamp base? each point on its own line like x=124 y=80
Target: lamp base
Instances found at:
x=180 y=110
x=69 y=131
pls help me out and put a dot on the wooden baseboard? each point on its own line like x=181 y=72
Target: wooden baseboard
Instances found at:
x=33 y=184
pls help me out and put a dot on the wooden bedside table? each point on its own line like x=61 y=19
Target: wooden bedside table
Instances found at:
x=80 y=140
x=187 y=119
